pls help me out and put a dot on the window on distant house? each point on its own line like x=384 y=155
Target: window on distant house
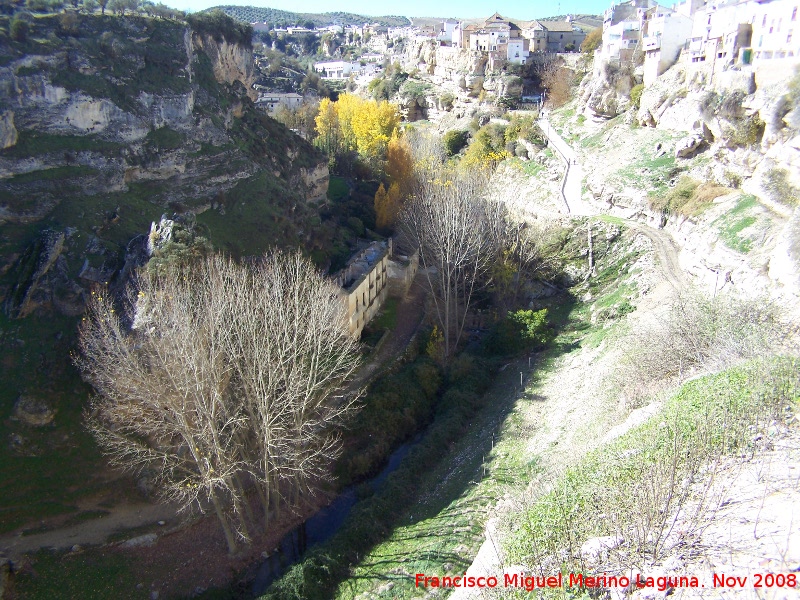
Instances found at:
x=789 y=37
x=764 y=21
x=794 y=14
x=760 y=41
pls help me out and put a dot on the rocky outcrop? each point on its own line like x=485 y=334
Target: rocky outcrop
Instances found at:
x=315 y=179
x=751 y=134
x=607 y=93
x=134 y=118
x=232 y=62
x=8 y=133
x=160 y=234
x=503 y=85
x=29 y=293
x=444 y=63
x=688 y=146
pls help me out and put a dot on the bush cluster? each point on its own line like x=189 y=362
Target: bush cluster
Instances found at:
x=698 y=334
x=740 y=130
x=524 y=127
x=388 y=84
x=777 y=184
x=395 y=407
x=636 y=95
x=518 y=331
x=454 y=141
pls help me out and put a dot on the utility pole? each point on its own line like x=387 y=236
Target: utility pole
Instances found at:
x=589 y=237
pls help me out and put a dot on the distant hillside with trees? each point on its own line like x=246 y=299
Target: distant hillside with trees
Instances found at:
x=585 y=22
x=261 y=14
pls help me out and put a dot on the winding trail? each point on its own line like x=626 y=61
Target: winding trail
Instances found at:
x=665 y=248
x=667 y=253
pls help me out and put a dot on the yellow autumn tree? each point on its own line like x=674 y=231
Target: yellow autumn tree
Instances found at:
x=381 y=202
x=400 y=173
x=400 y=163
x=348 y=107
x=387 y=206
x=362 y=126
x=328 y=131
x=373 y=126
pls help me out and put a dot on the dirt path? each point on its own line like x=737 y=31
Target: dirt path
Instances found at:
x=666 y=252
x=665 y=247
x=94 y=532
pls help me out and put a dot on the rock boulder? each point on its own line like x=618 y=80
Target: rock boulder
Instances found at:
x=32 y=411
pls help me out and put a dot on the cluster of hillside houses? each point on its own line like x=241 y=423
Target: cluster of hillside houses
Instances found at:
x=503 y=38
x=500 y=38
x=719 y=35
x=515 y=40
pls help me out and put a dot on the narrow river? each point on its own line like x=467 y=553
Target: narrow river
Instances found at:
x=321 y=526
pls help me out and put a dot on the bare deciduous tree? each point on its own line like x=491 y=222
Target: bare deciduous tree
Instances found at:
x=458 y=232
x=556 y=78
x=524 y=258
x=224 y=384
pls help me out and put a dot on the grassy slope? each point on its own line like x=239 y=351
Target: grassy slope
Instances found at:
x=712 y=415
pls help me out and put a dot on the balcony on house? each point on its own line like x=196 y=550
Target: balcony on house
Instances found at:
x=652 y=42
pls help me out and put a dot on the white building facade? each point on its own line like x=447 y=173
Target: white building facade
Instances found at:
x=664 y=35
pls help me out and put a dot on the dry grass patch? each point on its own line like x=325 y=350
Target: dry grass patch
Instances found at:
x=688 y=197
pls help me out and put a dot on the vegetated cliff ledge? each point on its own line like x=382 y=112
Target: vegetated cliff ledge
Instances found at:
x=714 y=158
x=108 y=122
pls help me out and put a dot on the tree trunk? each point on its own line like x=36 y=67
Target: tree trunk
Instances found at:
x=226 y=528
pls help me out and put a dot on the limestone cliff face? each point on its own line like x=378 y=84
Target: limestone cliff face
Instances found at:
x=607 y=92
x=104 y=129
x=231 y=62
x=315 y=179
x=446 y=66
x=724 y=129
x=457 y=72
x=748 y=129
x=159 y=112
